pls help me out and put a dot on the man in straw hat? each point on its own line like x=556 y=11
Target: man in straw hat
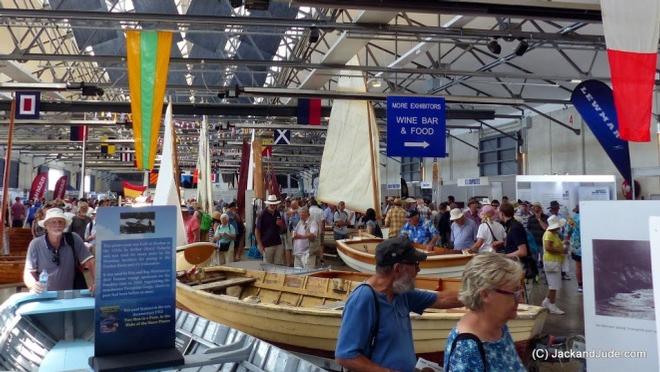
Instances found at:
x=376 y=333
x=463 y=230
x=56 y=255
x=270 y=225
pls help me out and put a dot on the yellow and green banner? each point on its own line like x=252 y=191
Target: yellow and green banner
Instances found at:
x=148 y=58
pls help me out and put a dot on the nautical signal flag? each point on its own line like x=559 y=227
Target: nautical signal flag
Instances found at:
x=309 y=111
x=282 y=137
x=107 y=148
x=27 y=105
x=78 y=133
x=153 y=177
x=267 y=151
x=631 y=38
x=147 y=58
x=126 y=156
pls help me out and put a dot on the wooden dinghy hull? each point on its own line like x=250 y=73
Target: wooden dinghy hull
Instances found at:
x=11 y=269
x=297 y=312
x=358 y=253
x=421 y=282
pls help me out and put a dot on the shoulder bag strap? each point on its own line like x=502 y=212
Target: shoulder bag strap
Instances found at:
x=374 y=331
x=491 y=232
x=480 y=346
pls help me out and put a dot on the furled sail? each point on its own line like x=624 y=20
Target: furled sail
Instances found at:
x=349 y=167
x=204 y=191
x=166 y=187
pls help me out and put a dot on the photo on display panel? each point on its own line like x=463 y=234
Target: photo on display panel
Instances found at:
x=137 y=222
x=622 y=278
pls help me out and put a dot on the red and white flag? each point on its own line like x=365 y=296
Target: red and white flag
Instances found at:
x=631 y=36
x=28 y=105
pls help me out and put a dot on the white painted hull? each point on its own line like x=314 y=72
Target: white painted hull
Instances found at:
x=441 y=272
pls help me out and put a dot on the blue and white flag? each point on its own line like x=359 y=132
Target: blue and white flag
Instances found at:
x=594 y=101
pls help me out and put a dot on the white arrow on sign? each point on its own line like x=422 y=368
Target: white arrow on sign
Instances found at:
x=416 y=144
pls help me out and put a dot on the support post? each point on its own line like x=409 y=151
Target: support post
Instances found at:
x=5 y=178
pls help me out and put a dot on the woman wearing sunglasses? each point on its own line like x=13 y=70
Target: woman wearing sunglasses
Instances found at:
x=481 y=340
x=57 y=254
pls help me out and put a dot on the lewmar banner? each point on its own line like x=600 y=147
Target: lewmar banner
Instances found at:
x=39 y=185
x=60 y=187
x=595 y=103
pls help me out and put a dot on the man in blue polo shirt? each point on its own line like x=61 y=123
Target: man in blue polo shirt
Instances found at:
x=376 y=331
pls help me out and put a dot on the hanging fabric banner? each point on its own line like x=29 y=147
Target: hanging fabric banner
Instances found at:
x=39 y=186
x=593 y=100
x=60 y=187
x=243 y=177
x=631 y=31
x=148 y=57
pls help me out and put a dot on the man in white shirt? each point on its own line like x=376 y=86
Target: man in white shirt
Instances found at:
x=304 y=234
x=316 y=247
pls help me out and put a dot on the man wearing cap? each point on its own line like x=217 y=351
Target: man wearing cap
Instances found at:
x=522 y=213
x=395 y=218
x=420 y=232
x=463 y=230
x=473 y=211
x=54 y=255
x=376 y=333
x=270 y=225
x=536 y=225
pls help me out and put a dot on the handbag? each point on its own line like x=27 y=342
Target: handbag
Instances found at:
x=79 y=281
x=224 y=247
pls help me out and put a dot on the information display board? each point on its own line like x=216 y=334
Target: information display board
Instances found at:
x=619 y=314
x=135 y=293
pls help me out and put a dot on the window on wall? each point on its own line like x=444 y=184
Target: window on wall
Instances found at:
x=497 y=156
x=410 y=169
x=13 y=173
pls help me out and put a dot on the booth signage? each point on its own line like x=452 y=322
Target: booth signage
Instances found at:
x=479 y=181
x=135 y=302
x=416 y=126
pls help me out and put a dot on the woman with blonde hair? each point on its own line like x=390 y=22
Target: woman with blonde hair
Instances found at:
x=491 y=234
x=481 y=340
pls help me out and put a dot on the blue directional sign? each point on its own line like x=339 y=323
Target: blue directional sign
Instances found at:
x=416 y=126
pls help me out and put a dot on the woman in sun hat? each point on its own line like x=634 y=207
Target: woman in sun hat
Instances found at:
x=552 y=259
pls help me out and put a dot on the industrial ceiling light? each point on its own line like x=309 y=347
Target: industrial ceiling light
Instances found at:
x=314 y=35
x=522 y=47
x=494 y=47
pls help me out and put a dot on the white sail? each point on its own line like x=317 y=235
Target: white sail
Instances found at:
x=166 y=192
x=349 y=167
x=204 y=192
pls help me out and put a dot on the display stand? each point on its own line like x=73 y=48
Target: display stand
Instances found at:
x=153 y=359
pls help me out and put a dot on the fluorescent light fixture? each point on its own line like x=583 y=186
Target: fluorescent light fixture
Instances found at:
x=452 y=21
x=576 y=81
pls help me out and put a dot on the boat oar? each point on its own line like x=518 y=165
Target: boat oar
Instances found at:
x=196 y=253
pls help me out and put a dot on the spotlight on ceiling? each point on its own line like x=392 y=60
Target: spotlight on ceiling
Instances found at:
x=314 y=35
x=375 y=82
x=236 y=3
x=494 y=47
x=522 y=47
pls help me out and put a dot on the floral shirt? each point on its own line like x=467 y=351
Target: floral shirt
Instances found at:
x=422 y=233
x=501 y=354
x=574 y=230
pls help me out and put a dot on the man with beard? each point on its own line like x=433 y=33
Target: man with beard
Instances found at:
x=376 y=333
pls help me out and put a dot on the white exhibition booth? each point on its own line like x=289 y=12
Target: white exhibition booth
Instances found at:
x=568 y=190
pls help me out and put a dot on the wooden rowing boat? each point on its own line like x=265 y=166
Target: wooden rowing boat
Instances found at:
x=421 y=282
x=303 y=313
x=11 y=269
x=359 y=254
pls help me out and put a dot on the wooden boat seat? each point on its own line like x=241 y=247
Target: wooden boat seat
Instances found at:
x=225 y=284
x=206 y=280
x=335 y=305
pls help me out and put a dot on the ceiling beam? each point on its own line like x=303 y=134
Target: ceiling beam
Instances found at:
x=525 y=9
